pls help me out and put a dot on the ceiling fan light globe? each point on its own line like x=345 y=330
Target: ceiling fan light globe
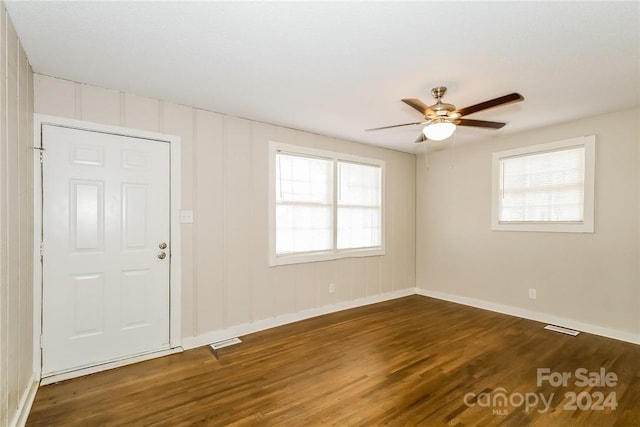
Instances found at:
x=439 y=130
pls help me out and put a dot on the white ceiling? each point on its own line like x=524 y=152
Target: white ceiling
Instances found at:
x=337 y=68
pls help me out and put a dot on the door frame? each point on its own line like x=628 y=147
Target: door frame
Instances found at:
x=175 y=266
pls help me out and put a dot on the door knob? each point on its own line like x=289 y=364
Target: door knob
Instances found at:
x=162 y=255
x=162 y=245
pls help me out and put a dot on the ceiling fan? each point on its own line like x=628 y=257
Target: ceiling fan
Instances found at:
x=442 y=118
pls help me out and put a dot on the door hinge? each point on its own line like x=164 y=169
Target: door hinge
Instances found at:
x=41 y=341
x=41 y=251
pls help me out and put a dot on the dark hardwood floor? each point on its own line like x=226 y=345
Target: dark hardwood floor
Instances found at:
x=410 y=361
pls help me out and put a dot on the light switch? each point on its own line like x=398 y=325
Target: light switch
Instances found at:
x=186 y=217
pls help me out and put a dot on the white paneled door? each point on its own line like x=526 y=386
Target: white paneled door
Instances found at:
x=106 y=219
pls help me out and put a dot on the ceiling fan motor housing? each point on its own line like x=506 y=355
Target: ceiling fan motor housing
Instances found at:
x=440 y=108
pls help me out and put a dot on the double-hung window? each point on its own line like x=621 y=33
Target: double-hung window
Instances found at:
x=546 y=187
x=323 y=205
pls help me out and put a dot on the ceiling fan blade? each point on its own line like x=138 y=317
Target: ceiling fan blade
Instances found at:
x=418 y=105
x=421 y=138
x=479 y=123
x=503 y=100
x=395 y=126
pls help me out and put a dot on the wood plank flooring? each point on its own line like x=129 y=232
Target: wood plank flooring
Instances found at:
x=410 y=361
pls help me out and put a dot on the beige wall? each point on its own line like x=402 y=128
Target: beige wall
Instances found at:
x=226 y=278
x=588 y=278
x=16 y=222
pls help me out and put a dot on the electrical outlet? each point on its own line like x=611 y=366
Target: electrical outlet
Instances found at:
x=332 y=288
x=532 y=293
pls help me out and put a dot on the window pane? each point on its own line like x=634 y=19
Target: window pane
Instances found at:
x=543 y=187
x=302 y=228
x=303 y=179
x=358 y=228
x=358 y=184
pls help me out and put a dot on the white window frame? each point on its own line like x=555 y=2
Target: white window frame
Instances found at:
x=334 y=253
x=585 y=226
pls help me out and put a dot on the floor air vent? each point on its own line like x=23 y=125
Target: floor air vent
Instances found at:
x=562 y=330
x=225 y=343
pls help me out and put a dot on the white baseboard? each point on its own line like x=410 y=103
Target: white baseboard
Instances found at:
x=534 y=315
x=260 y=325
x=50 y=379
x=26 y=401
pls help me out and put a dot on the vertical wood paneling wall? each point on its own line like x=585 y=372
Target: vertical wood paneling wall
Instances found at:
x=226 y=278
x=16 y=222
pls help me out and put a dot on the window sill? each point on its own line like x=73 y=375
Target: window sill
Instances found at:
x=306 y=257
x=551 y=227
